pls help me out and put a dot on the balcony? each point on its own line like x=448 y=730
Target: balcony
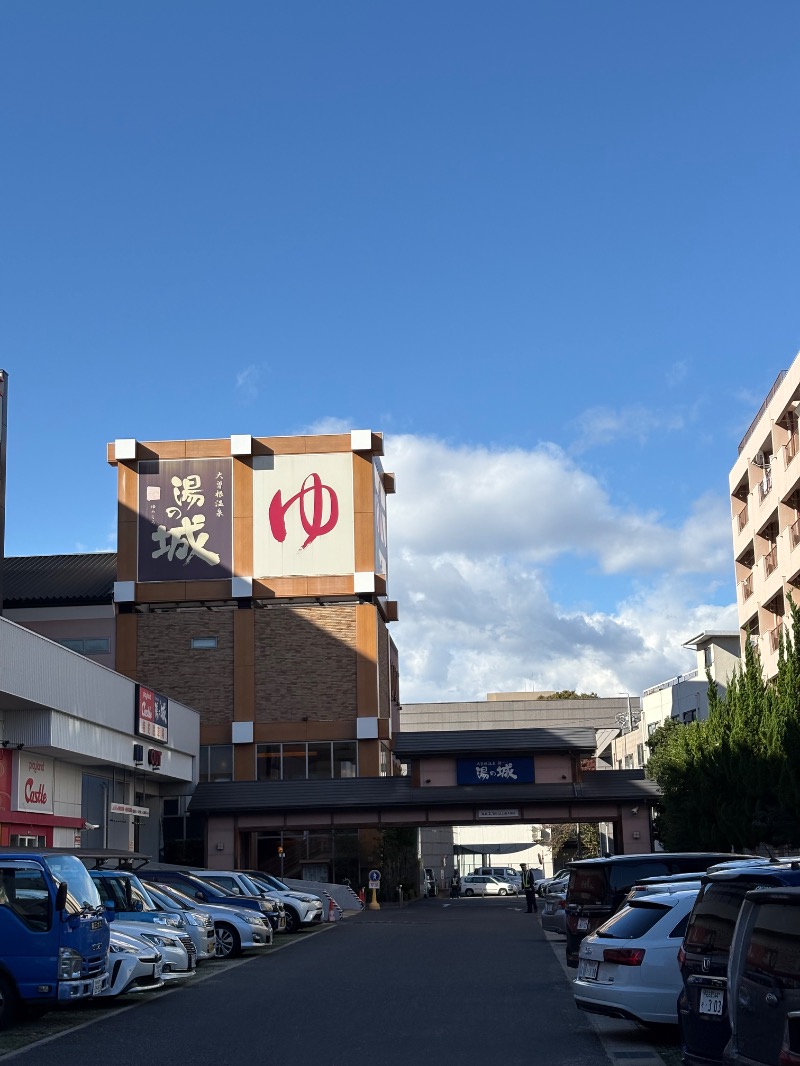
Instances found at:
x=747 y=587
x=742 y=518
x=790 y=448
x=771 y=560
x=775 y=637
x=765 y=486
x=794 y=533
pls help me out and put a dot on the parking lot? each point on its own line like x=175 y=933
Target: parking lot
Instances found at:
x=442 y=980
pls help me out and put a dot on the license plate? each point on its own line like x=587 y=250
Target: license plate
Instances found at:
x=587 y=970
x=157 y=969
x=583 y=923
x=97 y=925
x=97 y=986
x=711 y=1001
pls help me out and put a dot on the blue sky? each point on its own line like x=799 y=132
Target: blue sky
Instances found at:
x=548 y=249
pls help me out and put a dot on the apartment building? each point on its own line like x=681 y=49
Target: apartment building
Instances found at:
x=765 y=509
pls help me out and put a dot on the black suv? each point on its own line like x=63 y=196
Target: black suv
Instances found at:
x=704 y=954
x=597 y=887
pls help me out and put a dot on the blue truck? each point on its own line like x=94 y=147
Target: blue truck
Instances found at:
x=54 y=935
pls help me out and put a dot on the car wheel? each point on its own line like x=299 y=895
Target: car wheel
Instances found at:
x=228 y=941
x=8 y=1002
x=292 y=921
x=469 y=892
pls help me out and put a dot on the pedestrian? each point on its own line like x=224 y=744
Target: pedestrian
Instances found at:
x=529 y=888
x=455 y=885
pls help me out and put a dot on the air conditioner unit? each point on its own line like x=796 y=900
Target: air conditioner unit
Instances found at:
x=760 y=459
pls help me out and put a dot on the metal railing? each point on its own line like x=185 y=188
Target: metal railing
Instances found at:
x=762 y=409
x=742 y=518
x=691 y=676
x=747 y=587
x=775 y=637
x=771 y=561
x=790 y=448
x=765 y=486
x=794 y=533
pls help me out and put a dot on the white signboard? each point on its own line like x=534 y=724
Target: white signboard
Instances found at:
x=303 y=521
x=34 y=783
x=128 y=808
x=505 y=812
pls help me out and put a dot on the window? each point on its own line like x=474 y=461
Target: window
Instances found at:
x=774 y=946
x=216 y=762
x=202 y=643
x=632 y=922
x=640 y=754
x=628 y=762
x=25 y=892
x=316 y=761
x=690 y=716
x=88 y=645
x=651 y=728
x=708 y=657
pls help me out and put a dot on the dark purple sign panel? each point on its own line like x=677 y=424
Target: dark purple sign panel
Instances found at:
x=185 y=519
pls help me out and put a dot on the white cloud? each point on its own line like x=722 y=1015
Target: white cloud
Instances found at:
x=475 y=536
x=248 y=383
x=599 y=426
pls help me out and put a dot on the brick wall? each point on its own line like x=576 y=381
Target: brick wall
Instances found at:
x=202 y=679
x=305 y=664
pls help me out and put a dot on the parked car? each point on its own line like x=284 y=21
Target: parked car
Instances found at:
x=177 y=949
x=543 y=883
x=302 y=908
x=597 y=887
x=503 y=873
x=764 y=980
x=485 y=885
x=704 y=955
x=133 y=965
x=648 y=886
x=235 y=930
x=554 y=913
x=199 y=924
x=627 y=967
x=205 y=892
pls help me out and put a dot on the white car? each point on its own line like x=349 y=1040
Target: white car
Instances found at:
x=307 y=908
x=235 y=930
x=133 y=965
x=628 y=967
x=486 y=885
x=177 y=949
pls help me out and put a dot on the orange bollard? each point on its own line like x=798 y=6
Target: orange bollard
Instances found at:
x=362 y=895
x=331 y=911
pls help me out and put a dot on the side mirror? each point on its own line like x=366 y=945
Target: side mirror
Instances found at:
x=110 y=910
x=61 y=896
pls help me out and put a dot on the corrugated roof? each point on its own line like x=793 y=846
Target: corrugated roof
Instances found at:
x=59 y=580
x=483 y=741
x=622 y=786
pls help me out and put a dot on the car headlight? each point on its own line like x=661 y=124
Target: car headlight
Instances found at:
x=69 y=964
x=126 y=949
x=174 y=921
x=269 y=905
x=160 y=941
x=203 y=920
x=251 y=919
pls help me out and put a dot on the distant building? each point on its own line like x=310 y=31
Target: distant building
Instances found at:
x=765 y=507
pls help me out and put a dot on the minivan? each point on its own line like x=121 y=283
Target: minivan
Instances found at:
x=597 y=887
x=764 y=980
x=503 y=873
x=704 y=954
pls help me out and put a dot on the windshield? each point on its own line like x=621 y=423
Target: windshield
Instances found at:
x=82 y=893
x=180 y=897
x=630 y=923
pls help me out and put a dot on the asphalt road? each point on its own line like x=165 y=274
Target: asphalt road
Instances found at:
x=432 y=982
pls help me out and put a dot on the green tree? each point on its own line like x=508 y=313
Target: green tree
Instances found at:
x=733 y=781
x=569 y=694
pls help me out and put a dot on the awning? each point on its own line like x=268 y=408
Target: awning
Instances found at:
x=491 y=849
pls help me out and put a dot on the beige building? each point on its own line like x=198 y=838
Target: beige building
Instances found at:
x=765 y=505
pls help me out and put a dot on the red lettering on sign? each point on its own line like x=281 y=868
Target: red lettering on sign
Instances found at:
x=35 y=795
x=314 y=524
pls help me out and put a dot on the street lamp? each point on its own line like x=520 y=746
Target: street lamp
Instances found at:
x=628 y=720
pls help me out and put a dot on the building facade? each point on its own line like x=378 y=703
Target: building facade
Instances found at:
x=765 y=509
x=251 y=583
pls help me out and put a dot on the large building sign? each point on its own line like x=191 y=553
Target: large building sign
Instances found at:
x=152 y=714
x=494 y=771
x=303 y=520
x=35 y=783
x=185 y=520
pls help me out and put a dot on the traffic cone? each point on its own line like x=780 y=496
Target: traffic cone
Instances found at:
x=331 y=910
x=362 y=895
